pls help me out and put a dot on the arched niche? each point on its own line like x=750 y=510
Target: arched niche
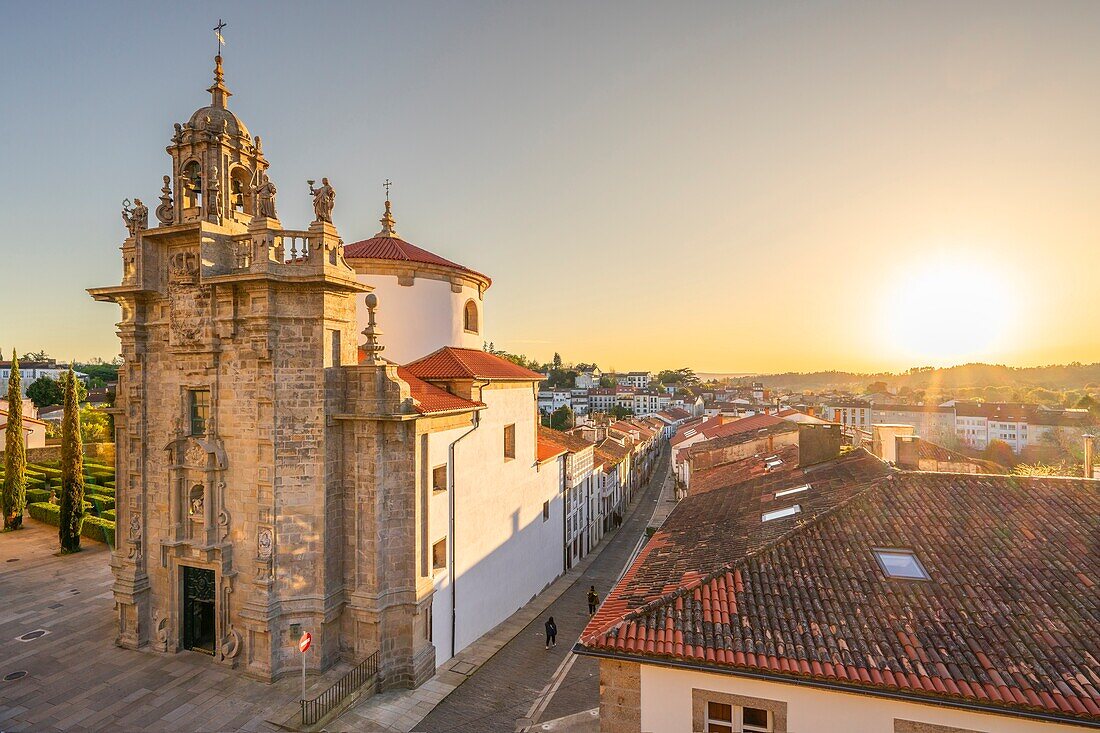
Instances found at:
x=470 y=316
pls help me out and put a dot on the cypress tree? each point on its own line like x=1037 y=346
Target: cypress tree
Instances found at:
x=72 y=470
x=14 y=495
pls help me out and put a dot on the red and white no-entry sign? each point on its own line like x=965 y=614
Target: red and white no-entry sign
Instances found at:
x=304 y=642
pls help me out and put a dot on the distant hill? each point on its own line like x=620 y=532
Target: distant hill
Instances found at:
x=1073 y=376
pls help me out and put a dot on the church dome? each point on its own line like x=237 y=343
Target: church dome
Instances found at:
x=217 y=116
x=388 y=246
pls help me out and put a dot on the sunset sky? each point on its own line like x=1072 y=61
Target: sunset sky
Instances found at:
x=737 y=187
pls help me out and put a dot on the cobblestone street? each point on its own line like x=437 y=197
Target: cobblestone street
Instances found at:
x=508 y=691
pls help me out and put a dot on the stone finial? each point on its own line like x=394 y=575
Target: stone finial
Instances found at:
x=388 y=222
x=219 y=92
x=166 y=213
x=372 y=348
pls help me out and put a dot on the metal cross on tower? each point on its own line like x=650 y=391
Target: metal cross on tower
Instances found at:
x=386 y=186
x=218 y=32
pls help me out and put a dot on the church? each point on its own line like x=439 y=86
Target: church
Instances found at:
x=309 y=435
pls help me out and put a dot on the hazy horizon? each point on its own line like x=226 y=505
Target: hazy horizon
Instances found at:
x=736 y=187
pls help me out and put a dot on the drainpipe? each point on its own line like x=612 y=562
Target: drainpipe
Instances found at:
x=1088 y=454
x=451 y=521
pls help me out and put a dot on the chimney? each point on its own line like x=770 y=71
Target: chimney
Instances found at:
x=1088 y=454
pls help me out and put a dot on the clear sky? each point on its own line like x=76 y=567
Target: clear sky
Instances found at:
x=738 y=187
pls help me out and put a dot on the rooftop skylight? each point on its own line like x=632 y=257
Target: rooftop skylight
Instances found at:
x=795 y=490
x=773 y=462
x=780 y=513
x=901 y=564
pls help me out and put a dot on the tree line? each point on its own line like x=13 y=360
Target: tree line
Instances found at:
x=13 y=493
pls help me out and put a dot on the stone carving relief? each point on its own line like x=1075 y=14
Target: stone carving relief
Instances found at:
x=264 y=543
x=194 y=455
x=160 y=628
x=135 y=536
x=183 y=267
x=166 y=212
x=223 y=517
x=263 y=195
x=135 y=216
x=324 y=198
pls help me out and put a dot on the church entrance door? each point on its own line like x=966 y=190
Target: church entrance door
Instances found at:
x=198 y=609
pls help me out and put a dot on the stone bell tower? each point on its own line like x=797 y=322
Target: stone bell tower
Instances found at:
x=217 y=168
x=228 y=462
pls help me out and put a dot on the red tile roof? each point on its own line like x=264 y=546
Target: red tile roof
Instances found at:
x=452 y=362
x=610 y=453
x=397 y=249
x=566 y=441
x=744 y=425
x=1008 y=619
x=677 y=414
x=547 y=448
x=728 y=474
x=428 y=398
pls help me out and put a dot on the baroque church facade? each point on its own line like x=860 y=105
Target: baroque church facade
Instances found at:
x=309 y=437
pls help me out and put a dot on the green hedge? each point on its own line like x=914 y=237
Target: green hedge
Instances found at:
x=101 y=503
x=109 y=515
x=94 y=528
x=35 y=496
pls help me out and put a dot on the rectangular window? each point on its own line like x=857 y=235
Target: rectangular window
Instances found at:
x=428 y=623
x=199 y=410
x=545 y=510
x=439 y=478
x=439 y=555
x=726 y=718
x=509 y=442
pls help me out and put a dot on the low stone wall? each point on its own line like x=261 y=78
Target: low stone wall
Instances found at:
x=620 y=697
x=102 y=452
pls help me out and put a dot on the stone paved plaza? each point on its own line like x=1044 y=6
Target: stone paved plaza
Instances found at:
x=78 y=680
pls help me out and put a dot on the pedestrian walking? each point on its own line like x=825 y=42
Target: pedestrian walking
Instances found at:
x=593 y=600
x=551 y=633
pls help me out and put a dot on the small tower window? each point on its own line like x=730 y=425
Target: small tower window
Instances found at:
x=469 y=316
x=241 y=190
x=191 y=185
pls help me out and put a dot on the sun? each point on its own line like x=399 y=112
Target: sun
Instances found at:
x=950 y=311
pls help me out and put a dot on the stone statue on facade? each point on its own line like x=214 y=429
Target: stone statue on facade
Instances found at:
x=136 y=219
x=177 y=136
x=166 y=213
x=214 y=196
x=324 y=198
x=263 y=196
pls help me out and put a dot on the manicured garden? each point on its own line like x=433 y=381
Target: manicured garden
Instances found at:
x=44 y=484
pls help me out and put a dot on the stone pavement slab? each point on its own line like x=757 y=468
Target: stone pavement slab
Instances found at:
x=78 y=680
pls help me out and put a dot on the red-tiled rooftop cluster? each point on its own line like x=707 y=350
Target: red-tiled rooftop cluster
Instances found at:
x=1009 y=618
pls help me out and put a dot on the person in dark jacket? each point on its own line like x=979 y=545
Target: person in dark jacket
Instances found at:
x=593 y=600
x=551 y=633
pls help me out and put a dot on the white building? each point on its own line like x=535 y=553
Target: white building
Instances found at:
x=588 y=379
x=849 y=413
x=444 y=299
x=637 y=380
x=34 y=430
x=581 y=489
x=648 y=402
x=29 y=371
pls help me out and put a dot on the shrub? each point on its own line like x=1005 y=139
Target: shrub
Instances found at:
x=98 y=529
x=35 y=496
x=101 y=503
x=45 y=512
x=109 y=515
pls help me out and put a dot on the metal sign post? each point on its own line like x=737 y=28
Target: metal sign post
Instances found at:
x=303 y=647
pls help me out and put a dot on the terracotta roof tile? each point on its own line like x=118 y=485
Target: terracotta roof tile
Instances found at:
x=566 y=441
x=1004 y=620
x=452 y=362
x=735 y=472
x=397 y=249
x=428 y=398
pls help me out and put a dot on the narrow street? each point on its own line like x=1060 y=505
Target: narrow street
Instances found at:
x=510 y=690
